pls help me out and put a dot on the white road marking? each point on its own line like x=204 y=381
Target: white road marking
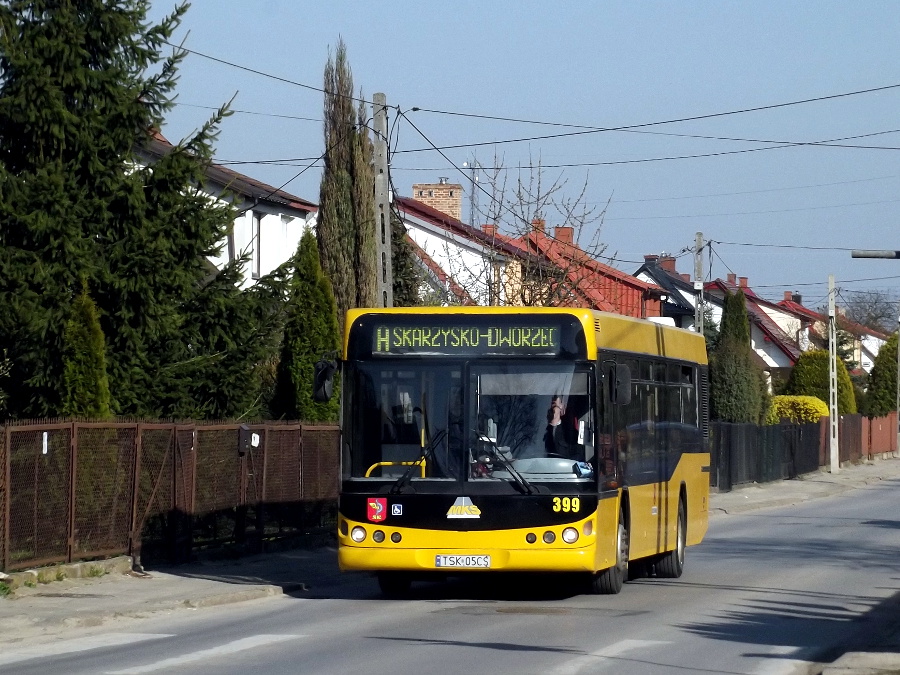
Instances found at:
x=74 y=645
x=229 y=648
x=576 y=665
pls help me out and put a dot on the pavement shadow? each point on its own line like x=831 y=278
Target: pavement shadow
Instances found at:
x=775 y=617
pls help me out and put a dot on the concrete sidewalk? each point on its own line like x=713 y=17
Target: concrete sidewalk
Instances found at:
x=48 y=601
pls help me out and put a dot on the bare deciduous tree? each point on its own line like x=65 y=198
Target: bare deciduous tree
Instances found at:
x=872 y=309
x=526 y=264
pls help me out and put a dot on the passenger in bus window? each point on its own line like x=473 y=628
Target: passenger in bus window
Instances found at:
x=561 y=436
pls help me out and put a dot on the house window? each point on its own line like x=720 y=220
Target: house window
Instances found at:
x=421 y=193
x=431 y=193
x=255 y=248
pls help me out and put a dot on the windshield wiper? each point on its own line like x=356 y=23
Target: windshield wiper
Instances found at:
x=427 y=451
x=507 y=464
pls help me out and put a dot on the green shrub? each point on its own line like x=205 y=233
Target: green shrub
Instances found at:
x=4 y=589
x=810 y=378
x=797 y=409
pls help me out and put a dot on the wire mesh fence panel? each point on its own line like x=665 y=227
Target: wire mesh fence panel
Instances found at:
x=155 y=513
x=217 y=490
x=4 y=497
x=104 y=488
x=319 y=465
x=320 y=474
x=39 y=508
x=284 y=514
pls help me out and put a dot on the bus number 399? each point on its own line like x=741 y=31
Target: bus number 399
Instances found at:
x=566 y=504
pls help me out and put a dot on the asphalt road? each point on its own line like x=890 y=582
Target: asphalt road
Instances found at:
x=767 y=592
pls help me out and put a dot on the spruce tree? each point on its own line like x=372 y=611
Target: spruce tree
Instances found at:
x=85 y=384
x=735 y=386
x=407 y=278
x=311 y=331
x=809 y=377
x=83 y=85
x=882 y=395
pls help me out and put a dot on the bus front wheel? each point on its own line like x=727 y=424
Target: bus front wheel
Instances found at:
x=670 y=565
x=610 y=581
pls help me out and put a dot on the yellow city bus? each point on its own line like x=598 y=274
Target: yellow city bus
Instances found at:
x=510 y=439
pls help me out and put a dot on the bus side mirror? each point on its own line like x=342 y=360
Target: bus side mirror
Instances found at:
x=620 y=384
x=323 y=380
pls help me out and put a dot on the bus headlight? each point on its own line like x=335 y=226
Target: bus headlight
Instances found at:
x=549 y=537
x=378 y=536
x=358 y=534
x=570 y=535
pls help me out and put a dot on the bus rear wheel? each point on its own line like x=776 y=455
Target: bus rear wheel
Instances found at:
x=394 y=584
x=670 y=565
x=610 y=581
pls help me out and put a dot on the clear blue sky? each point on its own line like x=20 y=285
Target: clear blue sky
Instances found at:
x=599 y=64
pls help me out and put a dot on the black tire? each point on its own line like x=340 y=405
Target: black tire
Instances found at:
x=610 y=581
x=639 y=569
x=394 y=584
x=670 y=565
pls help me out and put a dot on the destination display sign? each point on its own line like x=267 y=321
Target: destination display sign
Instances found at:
x=466 y=334
x=466 y=339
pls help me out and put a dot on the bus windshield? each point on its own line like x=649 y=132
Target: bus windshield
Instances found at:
x=469 y=421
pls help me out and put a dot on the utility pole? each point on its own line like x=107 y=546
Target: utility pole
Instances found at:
x=891 y=255
x=832 y=379
x=385 y=282
x=698 y=283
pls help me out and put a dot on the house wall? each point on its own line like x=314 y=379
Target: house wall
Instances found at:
x=279 y=237
x=467 y=263
x=790 y=323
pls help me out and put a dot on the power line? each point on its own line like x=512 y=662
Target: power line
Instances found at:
x=249 y=112
x=807 y=248
x=589 y=129
x=263 y=74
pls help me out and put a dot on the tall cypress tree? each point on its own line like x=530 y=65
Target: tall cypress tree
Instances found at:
x=83 y=84
x=311 y=331
x=735 y=390
x=85 y=383
x=345 y=229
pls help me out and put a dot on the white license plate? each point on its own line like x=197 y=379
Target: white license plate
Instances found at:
x=462 y=561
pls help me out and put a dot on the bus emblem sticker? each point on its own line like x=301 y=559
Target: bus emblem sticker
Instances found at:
x=376 y=509
x=463 y=508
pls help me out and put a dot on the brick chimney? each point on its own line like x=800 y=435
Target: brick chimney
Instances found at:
x=538 y=224
x=685 y=276
x=564 y=234
x=444 y=196
x=796 y=297
x=489 y=229
x=732 y=278
x=650 y=258
x=742 y=282
x=788 y=297
x=667 y=263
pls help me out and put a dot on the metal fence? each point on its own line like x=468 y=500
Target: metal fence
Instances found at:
x=747 y=453
x=74 y=490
